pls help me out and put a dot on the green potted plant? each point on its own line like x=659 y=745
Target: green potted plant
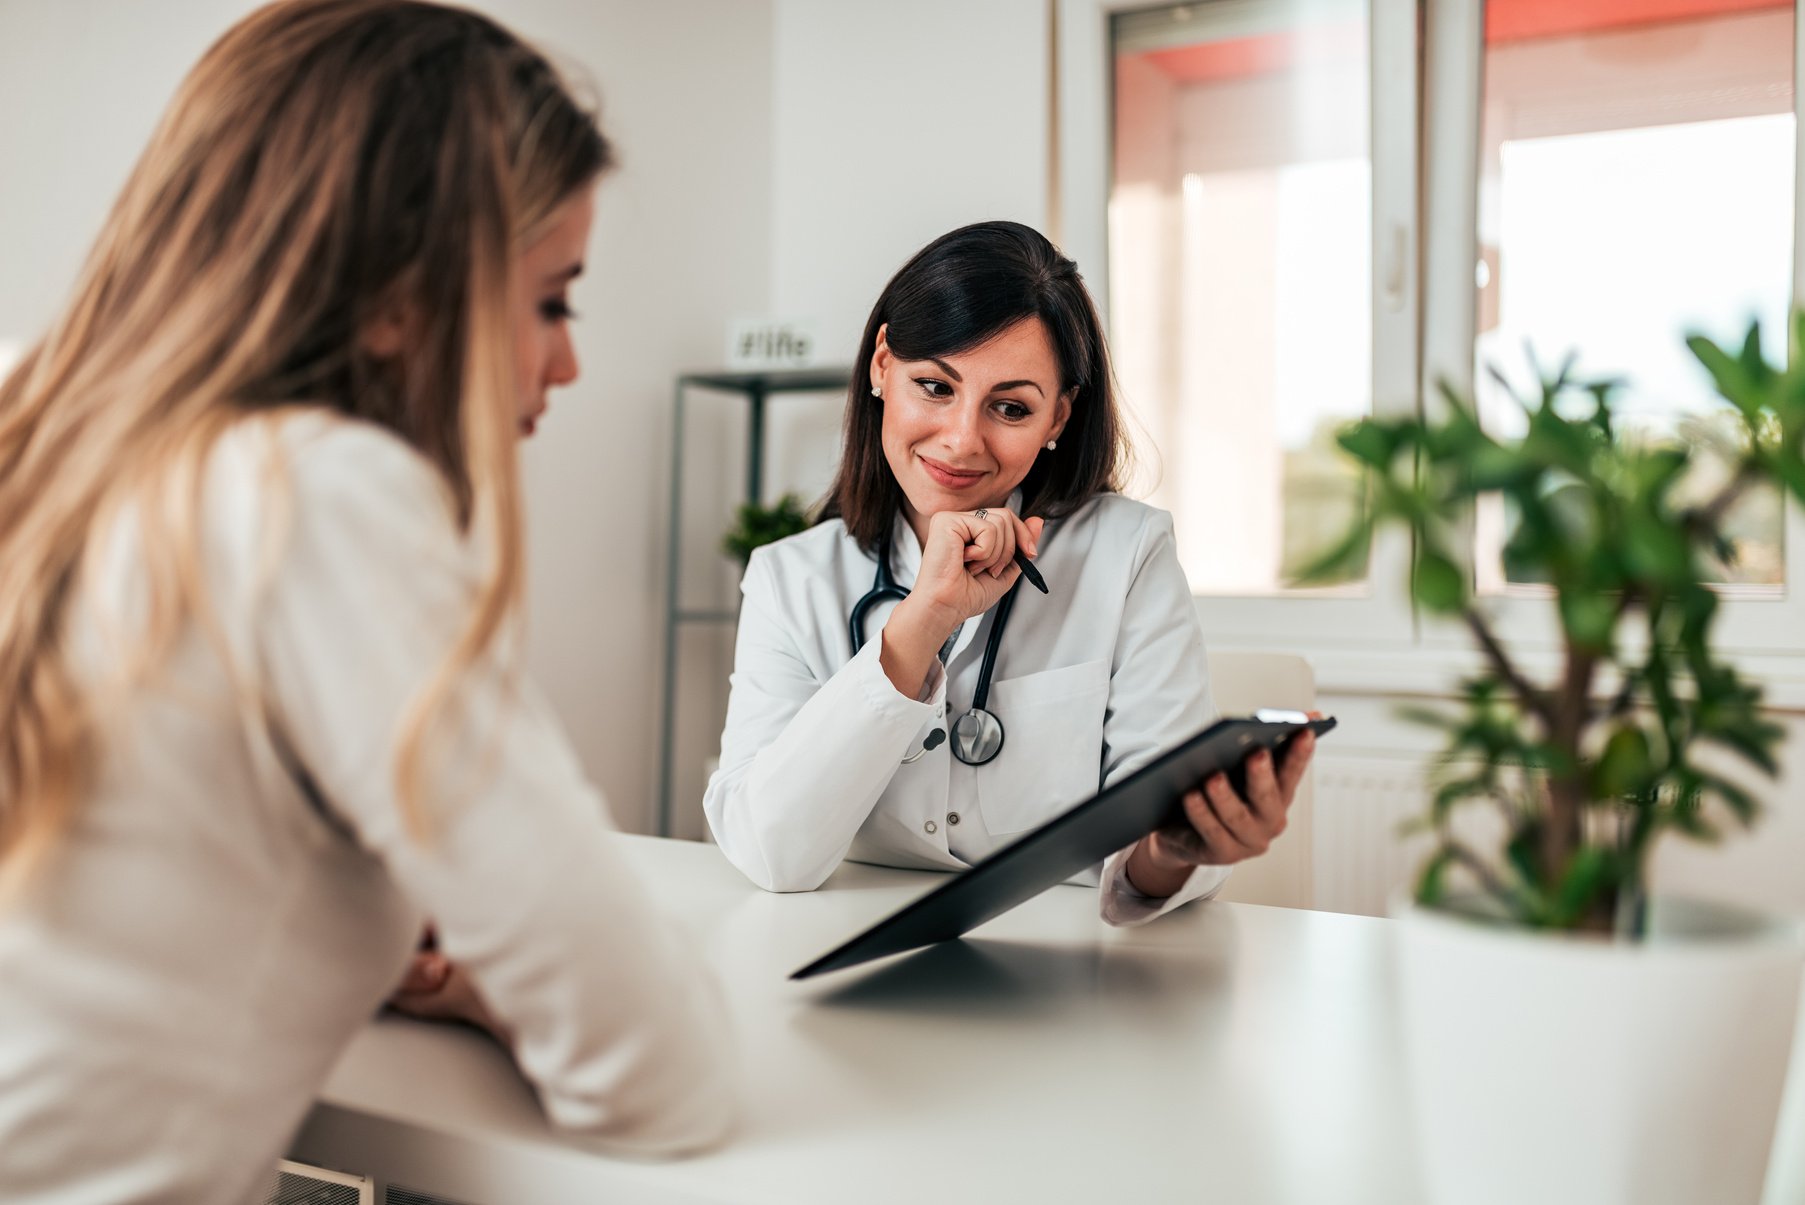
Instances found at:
x=1572 y=1036
x=755 y=526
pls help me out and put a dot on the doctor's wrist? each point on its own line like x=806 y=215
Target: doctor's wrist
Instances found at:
x=1153 y=872
x=919 y=621
x=910 y=647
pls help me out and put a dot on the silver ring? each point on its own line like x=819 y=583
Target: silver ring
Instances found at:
x=979 y=513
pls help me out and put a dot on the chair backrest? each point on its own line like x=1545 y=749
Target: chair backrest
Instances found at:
x=1240 y=683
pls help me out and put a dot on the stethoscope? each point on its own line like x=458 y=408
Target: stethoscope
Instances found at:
x=978 y=734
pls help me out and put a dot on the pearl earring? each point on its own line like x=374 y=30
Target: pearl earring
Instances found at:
x=1051 y=444
x=877 y=391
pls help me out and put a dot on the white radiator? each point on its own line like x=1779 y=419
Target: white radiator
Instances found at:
x=298 y=1184
x=295 y=1183
x=1361 y=861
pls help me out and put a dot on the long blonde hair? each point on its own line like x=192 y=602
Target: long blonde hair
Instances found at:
x=326 y=162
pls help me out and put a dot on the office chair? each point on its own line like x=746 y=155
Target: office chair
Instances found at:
x=1241 y=683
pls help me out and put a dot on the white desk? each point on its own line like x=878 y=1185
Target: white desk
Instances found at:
x=1228 y=1052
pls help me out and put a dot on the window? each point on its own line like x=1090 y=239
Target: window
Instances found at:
x=1240 y=272
x=1593 y=175
x=1635 y=184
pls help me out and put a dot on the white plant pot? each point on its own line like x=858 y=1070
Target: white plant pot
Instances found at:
x=1554 y=1068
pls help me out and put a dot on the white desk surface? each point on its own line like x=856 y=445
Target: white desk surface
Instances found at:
x=1227 y=1052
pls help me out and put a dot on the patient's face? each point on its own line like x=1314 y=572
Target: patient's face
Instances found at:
x=544 y=357
x=962 y=431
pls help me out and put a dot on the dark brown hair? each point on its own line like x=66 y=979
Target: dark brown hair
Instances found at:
x=959 y=291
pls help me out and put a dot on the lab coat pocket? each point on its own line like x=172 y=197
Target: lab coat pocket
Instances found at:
x=1052 y=752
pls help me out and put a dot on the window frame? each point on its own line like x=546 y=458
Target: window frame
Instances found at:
x=1757 y=631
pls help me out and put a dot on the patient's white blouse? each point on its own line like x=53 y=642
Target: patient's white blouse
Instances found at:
x=238 y=892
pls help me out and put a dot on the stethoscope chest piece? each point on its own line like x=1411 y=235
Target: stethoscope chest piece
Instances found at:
x=977 y=737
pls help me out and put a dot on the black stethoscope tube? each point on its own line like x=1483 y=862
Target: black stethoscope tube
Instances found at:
x=978 y=734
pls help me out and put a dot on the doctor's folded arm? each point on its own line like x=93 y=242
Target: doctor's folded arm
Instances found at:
x=900 y=695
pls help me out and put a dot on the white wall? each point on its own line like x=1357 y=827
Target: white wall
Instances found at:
x=896 y=123
x=892 y=124
x=681 y=243
x=680 y=246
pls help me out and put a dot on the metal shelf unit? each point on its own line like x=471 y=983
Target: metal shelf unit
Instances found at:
x=755 y=388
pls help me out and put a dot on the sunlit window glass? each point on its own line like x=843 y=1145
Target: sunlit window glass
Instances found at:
x=1636 y=184
x=1240 y=268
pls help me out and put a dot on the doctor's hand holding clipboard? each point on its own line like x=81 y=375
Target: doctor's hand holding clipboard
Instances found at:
x=897 y=697
x=1226 y=827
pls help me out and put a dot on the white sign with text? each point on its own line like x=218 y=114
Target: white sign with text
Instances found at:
x=771 y=343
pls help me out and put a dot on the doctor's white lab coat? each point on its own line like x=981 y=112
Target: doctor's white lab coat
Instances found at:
x=1092 y=681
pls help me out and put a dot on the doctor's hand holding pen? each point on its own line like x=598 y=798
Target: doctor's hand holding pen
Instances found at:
x=968 y=563
x=1225 y=827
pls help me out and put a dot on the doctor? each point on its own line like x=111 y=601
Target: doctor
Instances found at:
x=899 y=695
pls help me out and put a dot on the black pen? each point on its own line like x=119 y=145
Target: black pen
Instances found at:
x=1030 y=572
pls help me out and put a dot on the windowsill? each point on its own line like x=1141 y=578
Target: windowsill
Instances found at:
x=1384 y=669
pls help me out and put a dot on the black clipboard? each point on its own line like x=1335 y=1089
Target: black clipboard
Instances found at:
x=1082 y=836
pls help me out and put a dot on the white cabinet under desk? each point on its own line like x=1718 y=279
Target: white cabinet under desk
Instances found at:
x=1227 y=1052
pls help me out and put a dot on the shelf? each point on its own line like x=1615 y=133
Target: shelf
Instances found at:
x=775 y=381
x=704 y=616
x=755 y=388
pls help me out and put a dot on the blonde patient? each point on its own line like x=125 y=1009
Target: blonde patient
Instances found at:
x=261 y=708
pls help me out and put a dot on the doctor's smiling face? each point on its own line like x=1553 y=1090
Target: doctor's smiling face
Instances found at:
x=962 y=431
x=982 y=348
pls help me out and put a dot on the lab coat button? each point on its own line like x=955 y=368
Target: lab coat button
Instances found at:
x=931 y=826
x=952 y=817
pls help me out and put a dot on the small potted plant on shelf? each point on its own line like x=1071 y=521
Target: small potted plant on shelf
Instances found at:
x=1572 y=1036
x=755 y=526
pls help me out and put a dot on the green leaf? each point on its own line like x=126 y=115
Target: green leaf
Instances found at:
x=1625 y=766
x=1559 y=442
x=1697 y=605
x=1439 y=584
x=1427 y=717
x=1491 y=466
x=1344 y=560
x=1741 y=804
x=1521 y=854
x=1589 y=618
x=1657 y=471
x=1691 y=823
x=1755 y=368
x=755 y=526
x=1728 y=374
x=1590 y=874
x=1459 y=408
x=1753 y=738
x=1451 y=793
x=1790 y=470
x=1432 y=884
x=1372 y=442
x=1657 y=552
